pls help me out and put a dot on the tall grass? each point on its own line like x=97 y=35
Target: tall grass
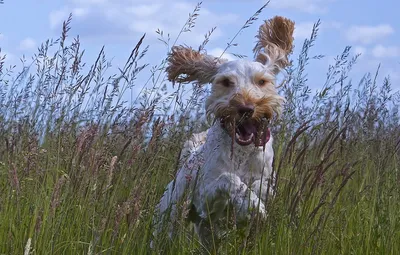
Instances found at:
x=82 y=168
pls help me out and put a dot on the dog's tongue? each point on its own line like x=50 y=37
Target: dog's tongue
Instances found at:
x=246 y=129
x=263 y=138
x=249 y=132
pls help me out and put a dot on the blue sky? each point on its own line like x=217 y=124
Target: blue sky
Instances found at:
x=371 y=28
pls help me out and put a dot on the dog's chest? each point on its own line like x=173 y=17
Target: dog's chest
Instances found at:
x=248 y=166
x=217 y=156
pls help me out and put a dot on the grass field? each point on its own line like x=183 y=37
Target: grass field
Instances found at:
x=81 y=169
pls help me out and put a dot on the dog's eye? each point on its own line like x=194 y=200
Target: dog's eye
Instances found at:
x=262 y=82
x=226 y=82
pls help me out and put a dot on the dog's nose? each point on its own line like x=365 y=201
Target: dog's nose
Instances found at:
x=246 y=109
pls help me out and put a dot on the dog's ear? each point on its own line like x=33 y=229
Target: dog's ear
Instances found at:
x=275 y=42
x=186 y=65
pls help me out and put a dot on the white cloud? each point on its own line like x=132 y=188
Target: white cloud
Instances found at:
x=27 y=44
x=309 y=6
x=393 y=74
x=144 y=10
x=10 y=58
x=360 y=50
x=124 y=19
x=380 y=51
x=216 y=52
x=368 y=34
x=57 y=17
x=1 y=36
x=335 y=25
x=303 y=30
x=80 y=12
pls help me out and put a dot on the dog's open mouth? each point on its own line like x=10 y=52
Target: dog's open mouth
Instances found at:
x=248 y=131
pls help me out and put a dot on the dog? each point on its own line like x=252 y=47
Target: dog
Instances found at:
x=228 y=167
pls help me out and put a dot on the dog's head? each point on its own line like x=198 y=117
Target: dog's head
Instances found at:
x=243 y=93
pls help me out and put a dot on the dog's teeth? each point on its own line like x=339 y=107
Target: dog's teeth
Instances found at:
x=244 y=141
x=251 y=137
x=237 y=136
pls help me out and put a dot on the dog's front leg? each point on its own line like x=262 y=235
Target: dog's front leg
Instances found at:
x=263 y=189
x=226 y=189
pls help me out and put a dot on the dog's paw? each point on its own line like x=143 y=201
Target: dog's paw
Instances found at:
x=257 y=205
x=249 y=205
x=263 y=190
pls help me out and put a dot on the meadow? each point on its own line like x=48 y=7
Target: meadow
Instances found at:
x=81 y=168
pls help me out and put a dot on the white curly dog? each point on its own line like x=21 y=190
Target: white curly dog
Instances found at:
x=228 y=167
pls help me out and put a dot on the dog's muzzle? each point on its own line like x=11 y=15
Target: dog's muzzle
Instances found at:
x=247 y=130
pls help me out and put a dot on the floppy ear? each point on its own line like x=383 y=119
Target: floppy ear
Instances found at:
x=275 y=42
x=186 y=65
